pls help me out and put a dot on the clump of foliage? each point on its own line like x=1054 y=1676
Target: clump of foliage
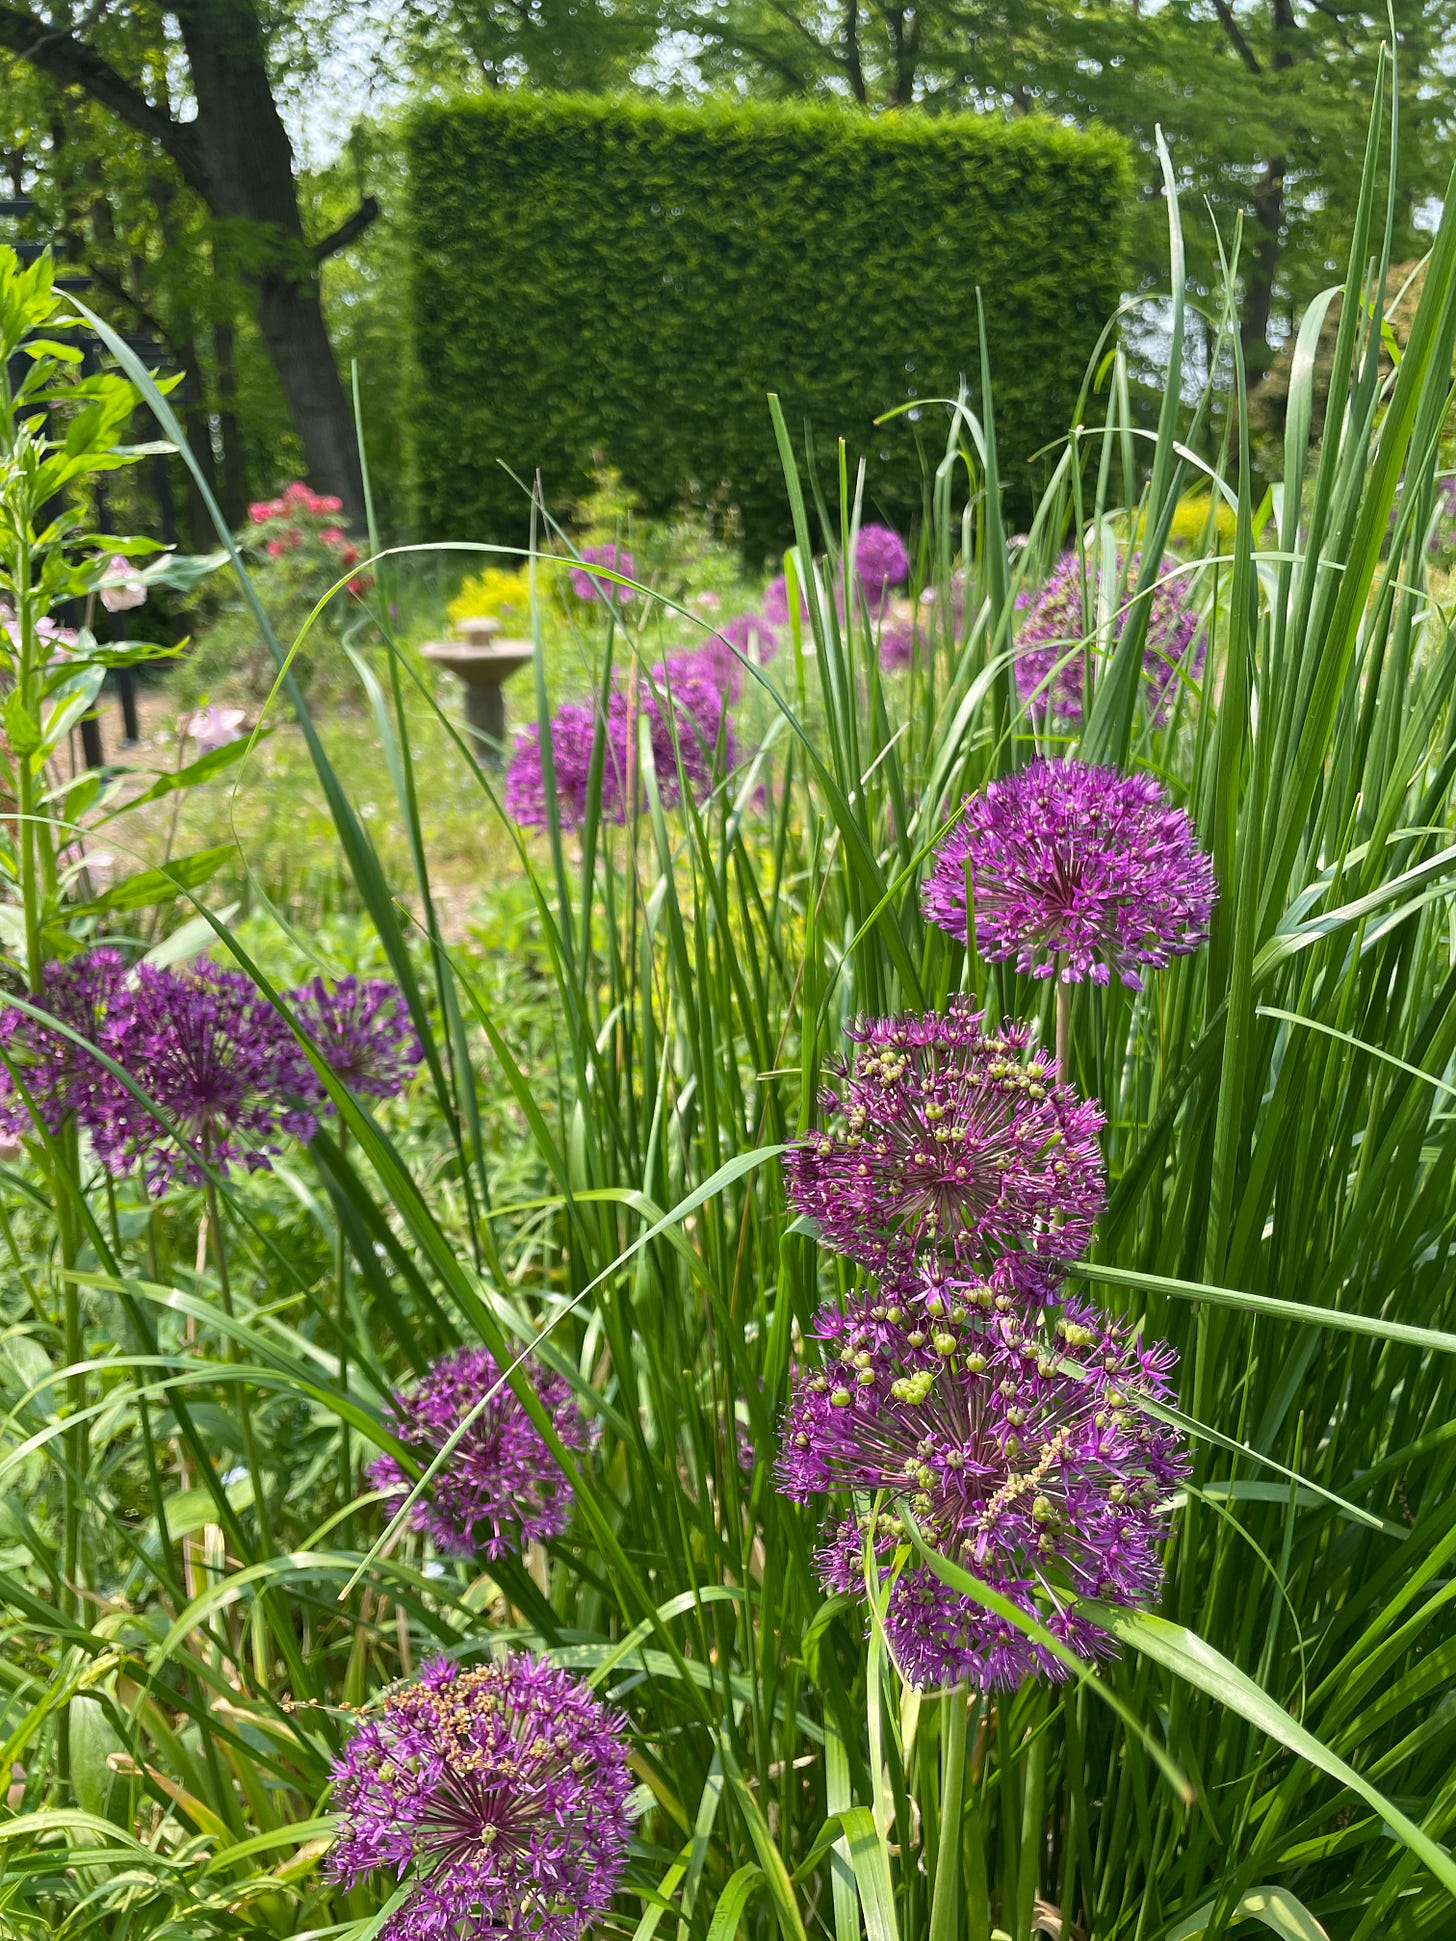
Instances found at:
x=730 y=1679
x=733 y=216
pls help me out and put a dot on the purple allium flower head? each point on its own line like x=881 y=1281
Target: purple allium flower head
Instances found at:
x=363 y=1029
x=881 y=560
x=751 y=634
x=500 y=1489
x=572 y=733
x=897 y=645
x=1018 y=1447
x=949 y=1139
x=1049 y=653
x=776 y=602
x=689 y=727
x=687 y=720
x=713 y=664
x=214 y=1056
x=591 y=586
x=503 y=1792
x=88 y=994
x=1075 y=871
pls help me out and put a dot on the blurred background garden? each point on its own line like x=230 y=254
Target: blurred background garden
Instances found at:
x=727 y=971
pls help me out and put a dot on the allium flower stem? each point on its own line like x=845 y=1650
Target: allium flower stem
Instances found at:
x=341 y=1276
x=954 y=1727
x=74 y=1349
x=1064 y=1015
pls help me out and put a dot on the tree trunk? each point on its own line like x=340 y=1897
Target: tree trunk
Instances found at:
x=1263 y=267
x=248 y=162
x=234 y=452
x=853 y=61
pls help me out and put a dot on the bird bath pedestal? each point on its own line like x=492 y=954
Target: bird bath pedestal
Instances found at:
x=483 y=662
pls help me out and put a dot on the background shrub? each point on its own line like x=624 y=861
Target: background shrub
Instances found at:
x=630 y=281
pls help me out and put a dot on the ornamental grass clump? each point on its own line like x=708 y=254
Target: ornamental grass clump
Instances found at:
x=1053 y=629
x=1018 y=1452
x=500 y=1488
x=501 y=1794
x=1076 y=871
x=948 y=1138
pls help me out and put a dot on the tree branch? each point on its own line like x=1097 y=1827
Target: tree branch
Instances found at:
x=73 y=64
x=348 y=231
x=1236 y=36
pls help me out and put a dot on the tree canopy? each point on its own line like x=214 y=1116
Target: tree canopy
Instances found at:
x=153 y=137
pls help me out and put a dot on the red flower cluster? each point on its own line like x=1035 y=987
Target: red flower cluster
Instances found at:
x=298 y=516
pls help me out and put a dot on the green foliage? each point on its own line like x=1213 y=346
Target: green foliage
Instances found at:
x=587 y=1168
x=1263 y=104
x=632 y=280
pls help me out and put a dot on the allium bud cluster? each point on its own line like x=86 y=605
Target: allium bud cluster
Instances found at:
x=1015 y=1444
x=945 y=1137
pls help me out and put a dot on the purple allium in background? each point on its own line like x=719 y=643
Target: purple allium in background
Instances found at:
x=504 y=1791
x=572 y=732
x=500 y=1488
x=686 y=717
x=1021 y=1453
x=1076 y=871
x=362 y=1027
x=949 y=1139
x=88 y=993
x=776 y=602
x=1054 y=626
x=591 y=586
x=689 y=725
x=751 y=634
x=881 y=560
x=897 y=645
x=714 y=664
x=215 y=1057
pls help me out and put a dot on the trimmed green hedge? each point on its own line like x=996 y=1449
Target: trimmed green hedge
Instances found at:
x=632 y=280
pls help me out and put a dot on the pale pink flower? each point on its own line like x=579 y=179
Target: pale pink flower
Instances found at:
x=122 y=586
x=213 y=727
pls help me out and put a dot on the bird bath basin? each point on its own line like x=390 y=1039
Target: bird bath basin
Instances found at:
x=483 y=662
